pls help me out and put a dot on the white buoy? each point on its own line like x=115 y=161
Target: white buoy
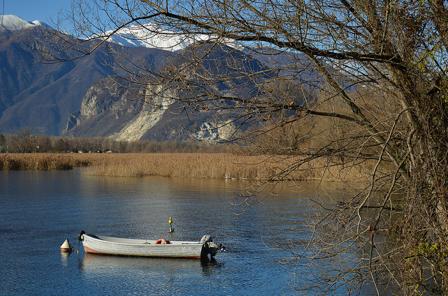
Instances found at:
x=66 y=247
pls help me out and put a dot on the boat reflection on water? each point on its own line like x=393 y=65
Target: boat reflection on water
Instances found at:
x=91 y=263
x=210 y=265
x=64 y=258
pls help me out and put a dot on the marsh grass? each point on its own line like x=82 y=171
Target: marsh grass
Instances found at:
x=40 y=161
x=185 y=165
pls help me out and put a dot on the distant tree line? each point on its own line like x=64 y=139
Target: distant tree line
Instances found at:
x=26 y=142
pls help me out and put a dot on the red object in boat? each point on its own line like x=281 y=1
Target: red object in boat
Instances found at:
x=162 y=241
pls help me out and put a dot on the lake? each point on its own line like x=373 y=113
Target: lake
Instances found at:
x=39 y=210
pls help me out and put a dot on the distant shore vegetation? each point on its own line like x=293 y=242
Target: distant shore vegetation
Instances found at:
x=25 y=142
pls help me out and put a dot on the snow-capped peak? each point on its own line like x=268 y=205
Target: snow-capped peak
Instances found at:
x=150 y=36
x=38 y=23
x=14 y=23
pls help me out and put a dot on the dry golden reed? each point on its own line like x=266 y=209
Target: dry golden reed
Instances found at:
x=40 y=161
x=185 y=165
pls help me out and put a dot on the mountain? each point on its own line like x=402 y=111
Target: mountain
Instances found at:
x=40 y=94
x=54 y=84
x=116 y=107
x=50 y=85
x=150 y=36
x=292 y=65
x=14 y=23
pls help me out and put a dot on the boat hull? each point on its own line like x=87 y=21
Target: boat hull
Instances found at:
x=142 y=248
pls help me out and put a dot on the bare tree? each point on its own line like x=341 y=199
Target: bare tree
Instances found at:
x=379 y=100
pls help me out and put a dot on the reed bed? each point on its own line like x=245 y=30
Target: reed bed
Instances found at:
x=185 y=165
x=40 y=161
x=217 y=166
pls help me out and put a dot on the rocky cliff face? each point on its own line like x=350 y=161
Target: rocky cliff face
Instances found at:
x=216 y=131
x=115 y=108
x=156 y=102
x=106 y=108
x=119 y=109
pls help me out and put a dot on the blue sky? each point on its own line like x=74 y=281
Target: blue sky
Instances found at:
x=43 y=10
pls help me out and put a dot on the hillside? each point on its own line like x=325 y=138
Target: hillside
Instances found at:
x=52 y=84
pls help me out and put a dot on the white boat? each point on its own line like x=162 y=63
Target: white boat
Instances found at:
x=107 y=245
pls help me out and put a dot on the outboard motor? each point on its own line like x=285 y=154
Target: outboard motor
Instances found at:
x=210 y=248
x=205 y=239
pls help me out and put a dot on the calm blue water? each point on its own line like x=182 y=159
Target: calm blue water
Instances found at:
x=39 y=210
